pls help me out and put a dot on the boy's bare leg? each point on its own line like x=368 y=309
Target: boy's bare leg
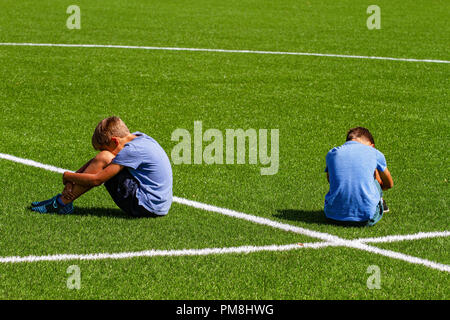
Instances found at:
x=72 y=191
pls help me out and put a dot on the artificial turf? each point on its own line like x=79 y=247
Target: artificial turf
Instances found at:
x=52 y=98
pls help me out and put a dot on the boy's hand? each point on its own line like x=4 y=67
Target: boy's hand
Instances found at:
x=377 y=176
x=67 y=192
x=386 y=178
x=64 y=179
x=92 y=179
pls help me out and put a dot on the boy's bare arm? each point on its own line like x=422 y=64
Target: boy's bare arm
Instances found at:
x=377 y=176
x=78 y=171
x=84 y=167
x=386 y=179
x=93 y=180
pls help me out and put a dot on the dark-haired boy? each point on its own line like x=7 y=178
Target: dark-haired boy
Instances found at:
x=357 y=173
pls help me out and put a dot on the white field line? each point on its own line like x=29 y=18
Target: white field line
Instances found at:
x=164 y=253
x=397 y=255
x=221 y=51
x=31 y=163
x=395 y=238
x=214 y=251
x=328 y=238
x=258 y=220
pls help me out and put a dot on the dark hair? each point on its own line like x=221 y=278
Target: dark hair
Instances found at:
x=359 y=132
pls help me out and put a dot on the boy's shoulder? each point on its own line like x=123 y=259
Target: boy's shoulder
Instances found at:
x=133 y=152
x=141 y=137
x=143 y=144
x=140 y=140
x=340 y=148
x=352 y=147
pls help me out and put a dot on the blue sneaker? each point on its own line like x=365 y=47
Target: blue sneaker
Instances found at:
x=385 y=207
x=45 y=202
x=52 y=206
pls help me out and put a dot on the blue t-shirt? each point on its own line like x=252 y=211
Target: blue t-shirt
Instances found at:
x=353 y=195
x=149 y=164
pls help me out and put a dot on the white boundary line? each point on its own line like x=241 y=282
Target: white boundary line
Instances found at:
x=357 y=244
x=162 y=253
x=259 y=220
x=66 y=45
x=31 y=163
x=416 y=236
x=399 y=256
x=328 y=238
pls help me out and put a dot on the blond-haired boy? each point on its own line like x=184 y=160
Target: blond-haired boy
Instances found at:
x=133 y=166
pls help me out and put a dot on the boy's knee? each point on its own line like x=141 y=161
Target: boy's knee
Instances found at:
x=105 y=157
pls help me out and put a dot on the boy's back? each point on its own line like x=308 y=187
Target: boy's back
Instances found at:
x=353 y=194
x=149 y=164
x=134 y=168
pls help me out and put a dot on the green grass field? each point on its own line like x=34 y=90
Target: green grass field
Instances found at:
x=51 y=99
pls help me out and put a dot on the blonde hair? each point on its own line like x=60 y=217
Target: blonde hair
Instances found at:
x=106 y=129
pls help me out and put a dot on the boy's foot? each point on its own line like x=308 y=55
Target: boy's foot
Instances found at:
x=385 y=207
x=43 y=203
x=53 y=206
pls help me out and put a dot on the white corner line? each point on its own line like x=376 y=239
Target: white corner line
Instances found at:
x=396 y=238
x=31 y=163
x=69 y=45
x=164 y=253
x=398 y=256
x=328 y=238
x=259 y=220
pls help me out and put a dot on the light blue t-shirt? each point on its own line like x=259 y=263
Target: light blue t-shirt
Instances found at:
x=149 y=164
x=353 y=195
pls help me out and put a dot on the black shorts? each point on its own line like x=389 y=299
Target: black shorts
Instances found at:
x=122 y=188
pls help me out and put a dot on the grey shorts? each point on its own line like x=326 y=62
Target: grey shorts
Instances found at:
x=122 y=188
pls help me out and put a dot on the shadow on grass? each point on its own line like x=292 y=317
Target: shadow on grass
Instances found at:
x=101 y=212
x=308 y=216
x=109 y=212
x=317 y=217
x=98 y=212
